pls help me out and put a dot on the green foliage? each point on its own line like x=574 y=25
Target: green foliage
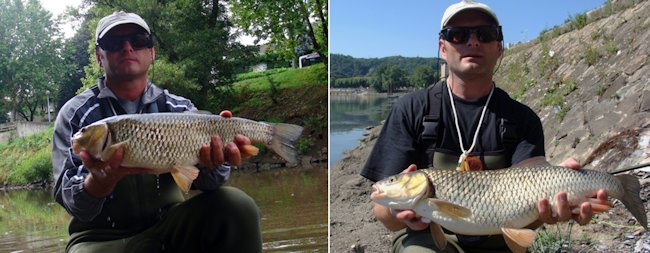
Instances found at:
x=579 y=21
x=352 y=82
x=344 y=66
x=293 y=27
x=37 y=168
x=611 y=47
x=27 y=159
x=601 y=90
x=388 y=77
x=319 y=124
x=548 y=62
x=304 y=144
x=422 y=76
x=547 y=241
x=283 y=78
x=591 y=55
x=30 y=62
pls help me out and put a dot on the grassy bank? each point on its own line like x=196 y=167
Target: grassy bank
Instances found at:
x=26 y=160
x=297 y=96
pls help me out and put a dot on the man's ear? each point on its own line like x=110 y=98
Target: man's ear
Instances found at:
x=99 y=58
x=442 y=48
x=153 y=54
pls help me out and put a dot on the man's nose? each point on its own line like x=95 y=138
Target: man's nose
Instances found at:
x=473 y=40
x=127 y=46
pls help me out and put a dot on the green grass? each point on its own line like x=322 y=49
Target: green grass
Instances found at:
x=282 y=78
x=27 y=159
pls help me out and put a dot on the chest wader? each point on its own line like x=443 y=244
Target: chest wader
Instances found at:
x=137 y=202
x=429 y=139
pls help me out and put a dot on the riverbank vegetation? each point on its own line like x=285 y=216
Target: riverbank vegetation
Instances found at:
x=26 y=160
x=383 y=74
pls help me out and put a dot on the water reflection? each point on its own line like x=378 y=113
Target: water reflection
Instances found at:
x=350 y=114
x=293 y=204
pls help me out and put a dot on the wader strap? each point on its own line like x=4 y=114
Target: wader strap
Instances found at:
x=508 y=132
x=431 y=127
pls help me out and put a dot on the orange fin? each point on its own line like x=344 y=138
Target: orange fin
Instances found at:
x=184 y=175
x=597 y=206
x=438 y=235
x=450 y=209
x=518 y=239
x=248 y=151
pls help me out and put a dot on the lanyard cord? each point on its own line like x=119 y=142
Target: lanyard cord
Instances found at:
x=465 y=153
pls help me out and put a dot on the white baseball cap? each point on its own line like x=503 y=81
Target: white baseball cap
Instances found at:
x=463 y=5
x=118 y=18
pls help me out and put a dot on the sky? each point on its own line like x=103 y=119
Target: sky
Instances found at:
x=380 y=28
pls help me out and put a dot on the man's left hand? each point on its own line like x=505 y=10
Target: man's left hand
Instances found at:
x=563 y=208
x=216 y=153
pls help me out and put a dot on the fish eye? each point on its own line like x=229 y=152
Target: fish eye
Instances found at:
x=83 y=129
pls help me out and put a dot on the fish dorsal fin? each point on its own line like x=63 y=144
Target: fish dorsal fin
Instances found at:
x=450 y=209
x=518 y=239
x=533 y=161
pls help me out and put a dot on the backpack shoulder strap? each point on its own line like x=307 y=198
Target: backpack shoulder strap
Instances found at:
x=431 y=128
x=507 y=123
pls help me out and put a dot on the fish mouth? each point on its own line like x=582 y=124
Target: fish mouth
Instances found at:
x=376 y=193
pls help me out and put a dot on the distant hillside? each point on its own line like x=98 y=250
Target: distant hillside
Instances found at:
x=345 y=66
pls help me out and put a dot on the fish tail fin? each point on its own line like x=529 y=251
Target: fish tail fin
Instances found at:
x=282 y=142
x=631 y=198
x=249 y=151
x=184 y=175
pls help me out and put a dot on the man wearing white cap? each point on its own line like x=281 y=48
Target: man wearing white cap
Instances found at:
x=118 y=209
x=463 y=122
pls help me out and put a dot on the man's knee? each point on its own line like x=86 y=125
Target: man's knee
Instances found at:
x=236 y=201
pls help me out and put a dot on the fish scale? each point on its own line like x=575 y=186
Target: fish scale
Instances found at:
x=171 y=142
x=507 y=198
x=164 y=140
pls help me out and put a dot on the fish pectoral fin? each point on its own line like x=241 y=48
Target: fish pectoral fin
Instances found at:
x=248 y=151
x=438 y=235
x=110 y=150
x=518 y=239
x=450 y=209
x=184 y=175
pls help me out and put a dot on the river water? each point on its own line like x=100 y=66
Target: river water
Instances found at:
x=350 y=114
x=293 y=203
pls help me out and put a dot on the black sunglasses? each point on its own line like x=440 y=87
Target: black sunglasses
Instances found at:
x=459 y=35
x=116 y=43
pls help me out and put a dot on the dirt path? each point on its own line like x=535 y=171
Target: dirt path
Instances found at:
x=353 y=228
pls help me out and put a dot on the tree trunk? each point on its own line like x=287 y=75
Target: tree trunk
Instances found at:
x=310 y=31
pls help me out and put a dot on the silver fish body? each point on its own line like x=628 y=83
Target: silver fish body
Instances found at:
x=169 y=142
x=507 y=198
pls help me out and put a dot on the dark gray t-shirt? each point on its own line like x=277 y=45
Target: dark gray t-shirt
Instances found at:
x=397 y=146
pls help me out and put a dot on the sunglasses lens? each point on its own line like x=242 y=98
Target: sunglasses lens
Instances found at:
x=140 y=41
x=458 y=35
x=487 y=34
x=116 y=43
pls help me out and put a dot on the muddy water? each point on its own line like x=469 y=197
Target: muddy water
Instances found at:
x=293 y=204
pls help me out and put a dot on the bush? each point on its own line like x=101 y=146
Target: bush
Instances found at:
x=37 y=168
x=303 y=145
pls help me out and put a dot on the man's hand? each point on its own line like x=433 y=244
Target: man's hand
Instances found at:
x=216 y=153
x=104 y=175
x=563 y=209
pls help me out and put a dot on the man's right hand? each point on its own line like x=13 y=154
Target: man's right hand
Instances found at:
x=396 y=219
x=104 y=175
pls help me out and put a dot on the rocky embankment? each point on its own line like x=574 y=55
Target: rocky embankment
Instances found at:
x=590 y=87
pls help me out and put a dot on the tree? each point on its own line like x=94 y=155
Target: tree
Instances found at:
x=387 y=78
x=195 y=49
x=422 y=76
x=30 y=57
x=284 y=22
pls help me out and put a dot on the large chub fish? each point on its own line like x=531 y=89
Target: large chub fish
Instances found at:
x=170 y=142
x=501 y=201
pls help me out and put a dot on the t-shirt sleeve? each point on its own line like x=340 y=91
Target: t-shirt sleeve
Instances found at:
x=395 y=148
x=532 y=133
